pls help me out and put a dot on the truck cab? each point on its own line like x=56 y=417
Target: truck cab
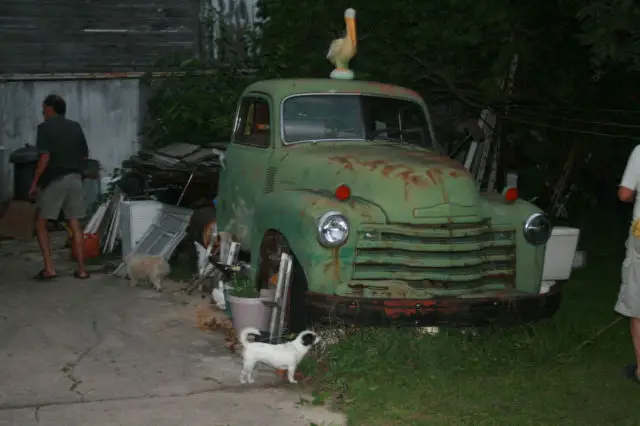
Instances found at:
x=345 y=176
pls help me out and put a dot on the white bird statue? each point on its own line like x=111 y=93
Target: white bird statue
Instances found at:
x=343 y=49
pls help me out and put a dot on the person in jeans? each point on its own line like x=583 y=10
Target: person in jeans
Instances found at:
x=628 y=303
x=57 y=183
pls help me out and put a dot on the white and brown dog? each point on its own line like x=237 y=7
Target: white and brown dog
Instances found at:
x=147 y=268
x=283 y=356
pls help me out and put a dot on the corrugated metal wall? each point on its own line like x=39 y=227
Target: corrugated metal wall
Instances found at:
x=110 y=111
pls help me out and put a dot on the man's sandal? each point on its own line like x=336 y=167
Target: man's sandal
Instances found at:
x=41 y=276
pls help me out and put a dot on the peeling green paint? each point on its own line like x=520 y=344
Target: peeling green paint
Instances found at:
x=419 y=228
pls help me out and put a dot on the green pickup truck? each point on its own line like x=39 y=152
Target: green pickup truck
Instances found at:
x=344 y=175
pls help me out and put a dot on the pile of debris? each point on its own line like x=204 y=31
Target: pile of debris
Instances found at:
x=180 y=174
x=145 y=212
x=211 y=319
x=145 y=227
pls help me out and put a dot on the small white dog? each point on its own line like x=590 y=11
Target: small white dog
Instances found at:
x=284 y=356
x=147 y=268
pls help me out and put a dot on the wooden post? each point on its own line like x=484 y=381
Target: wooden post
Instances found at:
x=496 y=153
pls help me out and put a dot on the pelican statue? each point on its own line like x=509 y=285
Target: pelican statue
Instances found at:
x=343 y=49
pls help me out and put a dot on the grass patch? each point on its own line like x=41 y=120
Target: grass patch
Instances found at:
x=524 y=375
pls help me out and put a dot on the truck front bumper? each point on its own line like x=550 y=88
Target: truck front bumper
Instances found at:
x=451 y=312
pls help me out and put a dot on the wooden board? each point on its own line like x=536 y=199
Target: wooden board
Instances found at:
x=13 y=223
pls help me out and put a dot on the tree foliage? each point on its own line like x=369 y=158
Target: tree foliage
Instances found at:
x=575 y=59
x=193 y=104
x=611 y=29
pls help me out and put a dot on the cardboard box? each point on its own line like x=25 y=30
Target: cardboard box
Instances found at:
x=18 y=219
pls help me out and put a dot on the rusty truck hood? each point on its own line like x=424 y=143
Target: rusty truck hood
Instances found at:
x=409 y=183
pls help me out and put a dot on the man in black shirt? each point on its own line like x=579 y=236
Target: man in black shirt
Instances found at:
x=57 y=183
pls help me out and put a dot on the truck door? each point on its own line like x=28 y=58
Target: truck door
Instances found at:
x=246 y=161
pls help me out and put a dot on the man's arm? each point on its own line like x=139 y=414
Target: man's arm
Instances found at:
x=631 y=177
x=42 y=144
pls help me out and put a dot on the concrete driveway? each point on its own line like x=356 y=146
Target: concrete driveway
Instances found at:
x=96 y=352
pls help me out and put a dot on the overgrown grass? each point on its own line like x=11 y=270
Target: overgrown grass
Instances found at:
x=526 y=375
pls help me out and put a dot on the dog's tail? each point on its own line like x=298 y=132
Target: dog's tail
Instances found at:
x=246 y=332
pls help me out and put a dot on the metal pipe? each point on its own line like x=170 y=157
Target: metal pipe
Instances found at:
x=185 y=187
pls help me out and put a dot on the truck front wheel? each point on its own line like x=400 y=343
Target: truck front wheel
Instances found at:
x=271 y=249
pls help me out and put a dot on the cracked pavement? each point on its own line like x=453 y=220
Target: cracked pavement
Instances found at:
x=97 y=352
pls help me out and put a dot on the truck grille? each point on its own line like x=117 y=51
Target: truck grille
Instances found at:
x=446 y=256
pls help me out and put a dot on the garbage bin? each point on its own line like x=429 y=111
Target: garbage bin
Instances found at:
x=3 y=176
x=24 y=162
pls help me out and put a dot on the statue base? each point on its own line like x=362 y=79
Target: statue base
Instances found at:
x=341 y=74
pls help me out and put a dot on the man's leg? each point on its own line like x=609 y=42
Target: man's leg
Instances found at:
x=49 y=203
x=78 y=237
x=45 y=247
x=628 y=303
x=635 y=336
x=74 y=210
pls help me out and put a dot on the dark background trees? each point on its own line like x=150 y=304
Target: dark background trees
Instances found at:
x=575 y=88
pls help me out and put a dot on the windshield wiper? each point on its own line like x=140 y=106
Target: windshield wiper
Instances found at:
x=372 y=135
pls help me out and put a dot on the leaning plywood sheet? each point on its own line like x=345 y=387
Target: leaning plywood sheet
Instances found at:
x=135 y=219
x=164 y=234
x=96 y=219
x=109 y=234
x=114 y=233
x=106 y=224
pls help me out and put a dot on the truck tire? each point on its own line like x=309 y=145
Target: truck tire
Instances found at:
x=273 y=245
x=200 y=220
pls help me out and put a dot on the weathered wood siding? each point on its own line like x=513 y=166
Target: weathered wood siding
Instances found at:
x=53 y=36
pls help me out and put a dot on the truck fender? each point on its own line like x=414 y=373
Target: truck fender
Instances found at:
x=294 y=214
x=529 y=258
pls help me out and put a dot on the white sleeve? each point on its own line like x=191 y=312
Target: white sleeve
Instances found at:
x=631 y=176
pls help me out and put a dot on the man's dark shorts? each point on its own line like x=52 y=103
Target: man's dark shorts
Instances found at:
x=66 y=194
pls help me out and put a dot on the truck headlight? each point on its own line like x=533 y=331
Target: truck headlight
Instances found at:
x=537 y=229
x=333 y=229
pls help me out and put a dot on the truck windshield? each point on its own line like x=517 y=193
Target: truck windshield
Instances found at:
x=345 y=117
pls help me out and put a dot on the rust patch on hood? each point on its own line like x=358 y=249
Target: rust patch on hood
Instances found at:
x=342 y=160
x=433 y=176
x=321 y=200
x=442 y=161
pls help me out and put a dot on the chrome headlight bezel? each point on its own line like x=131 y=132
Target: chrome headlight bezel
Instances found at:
x=324 y=221
x=537 y=229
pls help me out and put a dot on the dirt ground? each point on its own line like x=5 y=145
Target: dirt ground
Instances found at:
x=97 y=352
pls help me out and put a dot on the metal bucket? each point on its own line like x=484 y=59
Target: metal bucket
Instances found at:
x=250 y=311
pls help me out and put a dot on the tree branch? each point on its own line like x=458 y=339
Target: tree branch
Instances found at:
x=438 y=76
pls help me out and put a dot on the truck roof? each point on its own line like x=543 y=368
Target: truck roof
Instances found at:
x=285 y=87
